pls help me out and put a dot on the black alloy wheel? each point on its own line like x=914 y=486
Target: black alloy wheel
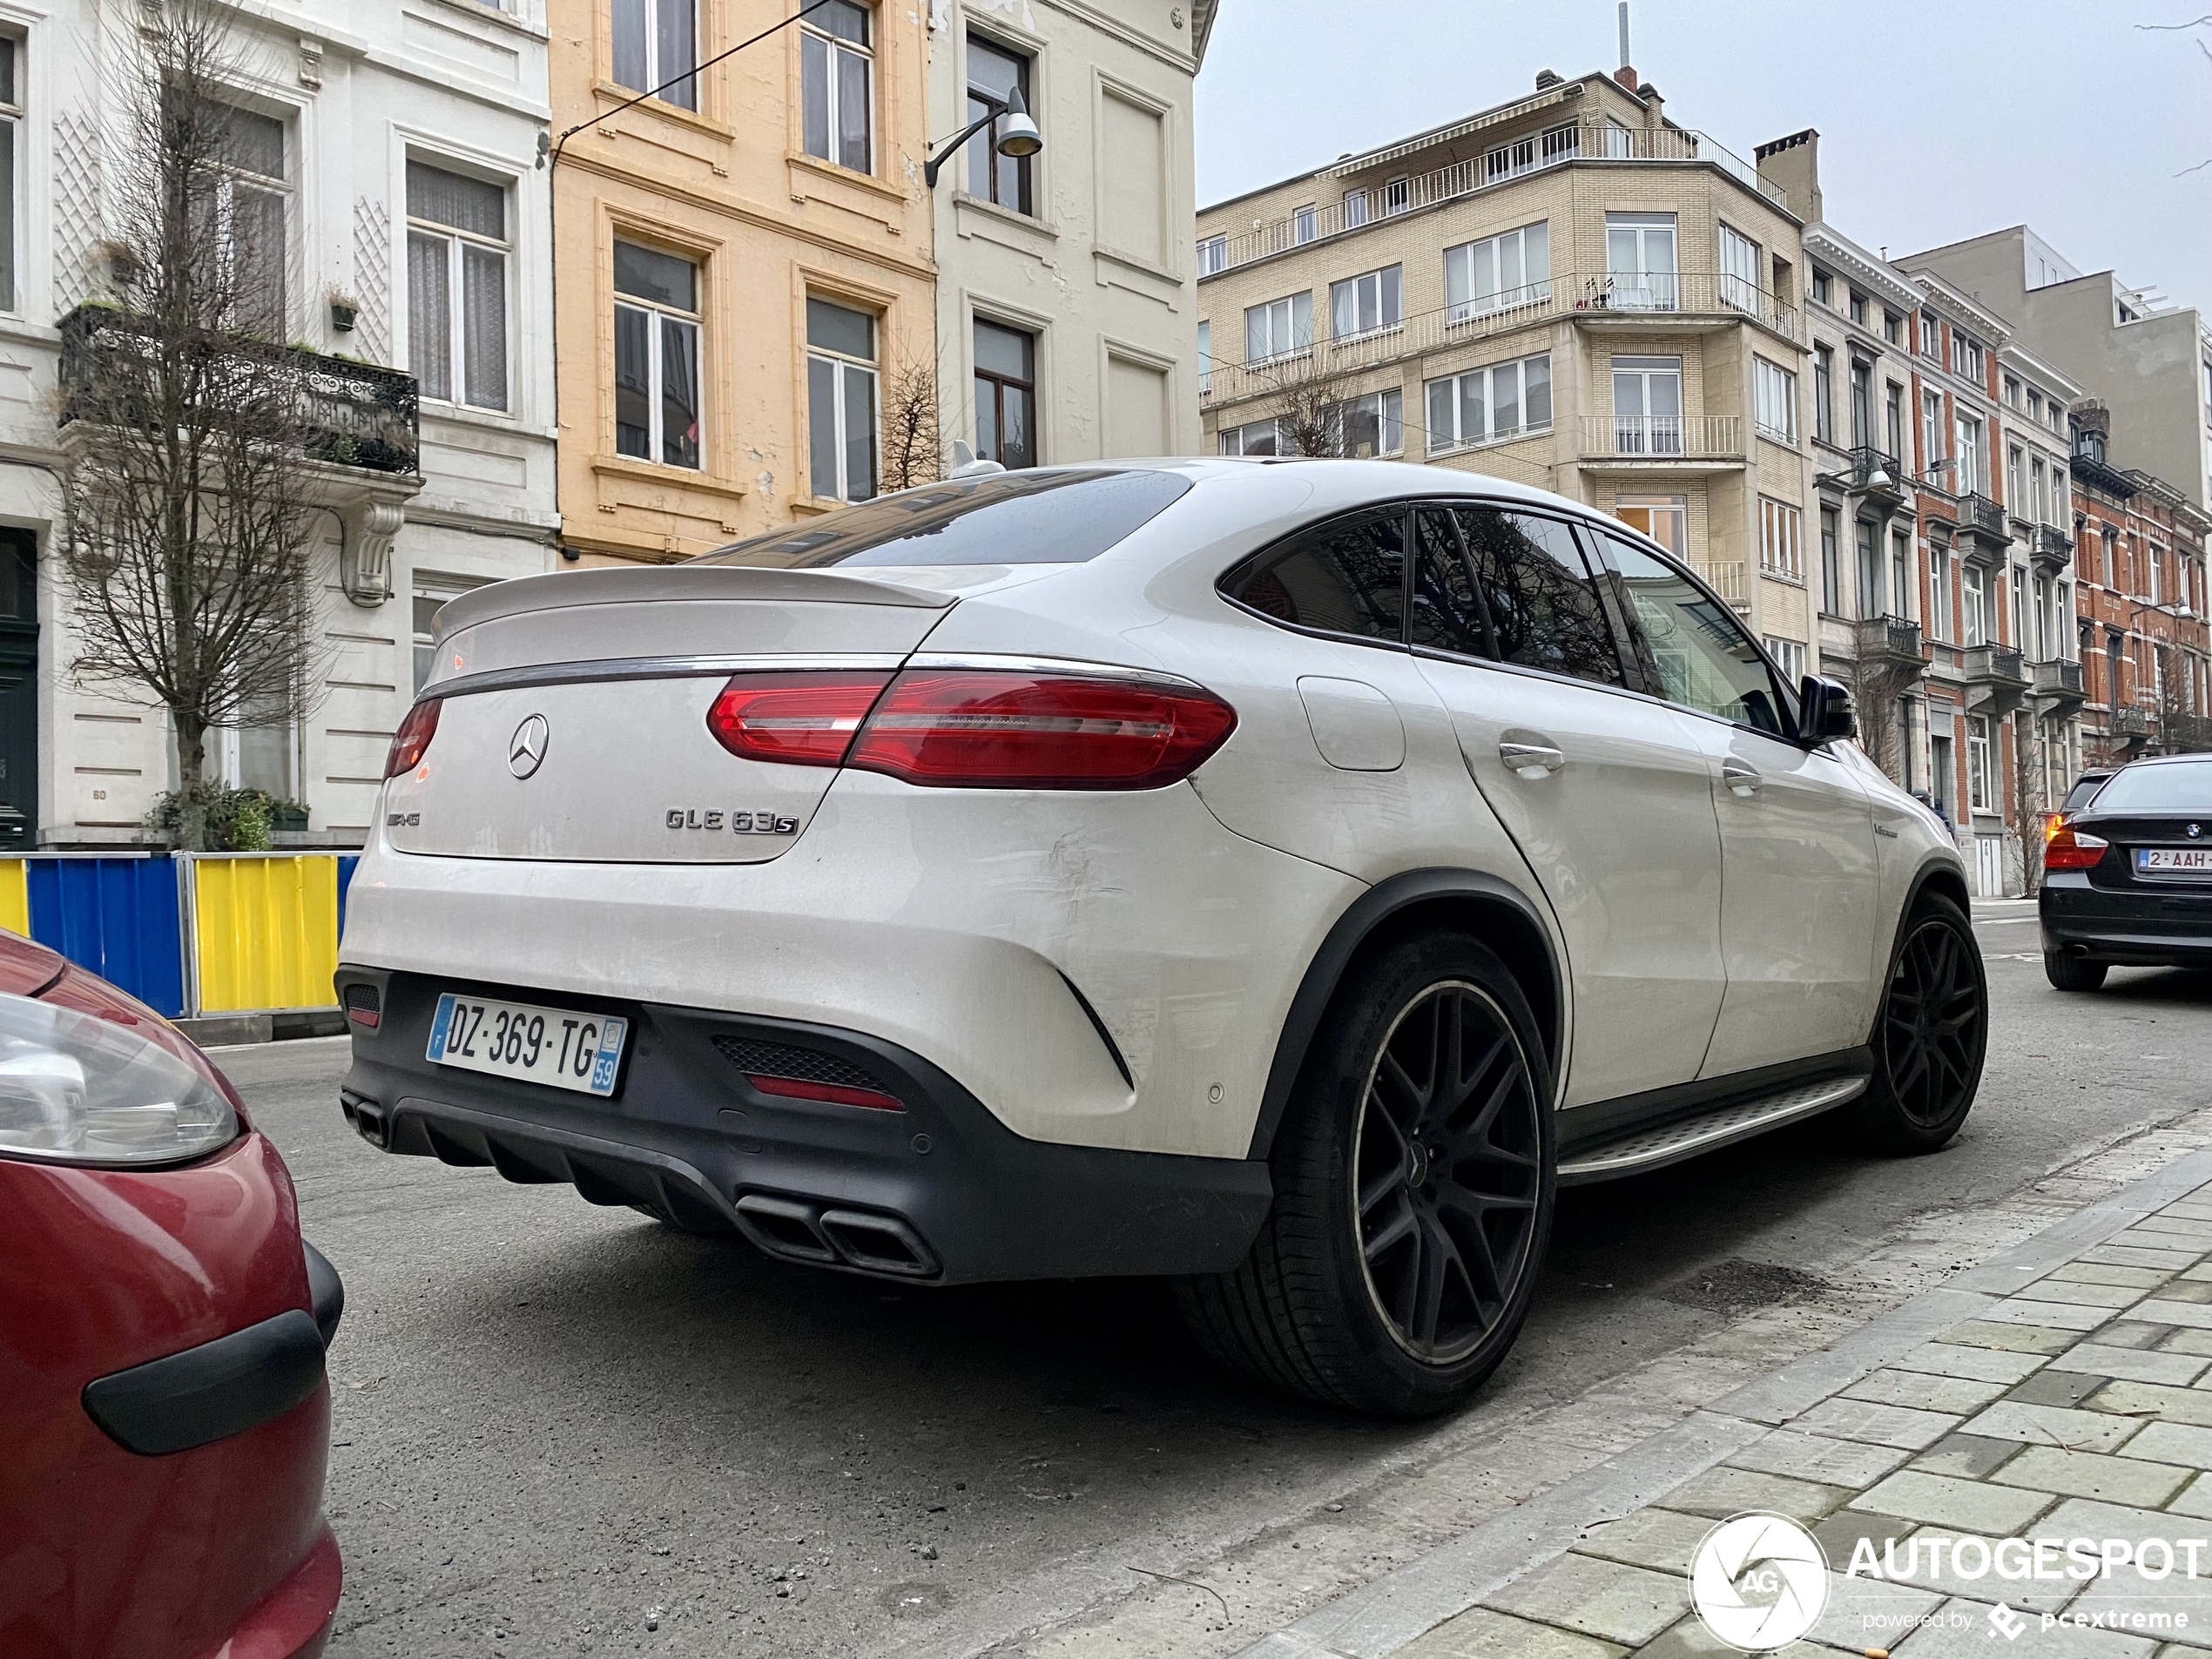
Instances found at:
x=1446 y=1168
x=1415 y=1174
x=1931 y=1034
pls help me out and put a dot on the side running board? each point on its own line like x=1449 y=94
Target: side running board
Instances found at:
x=1634 y=1150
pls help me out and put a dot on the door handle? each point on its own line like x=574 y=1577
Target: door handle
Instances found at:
x=1742 y=780
x=1531 y=756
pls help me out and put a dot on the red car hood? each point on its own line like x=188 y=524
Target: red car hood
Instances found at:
x=27 y=968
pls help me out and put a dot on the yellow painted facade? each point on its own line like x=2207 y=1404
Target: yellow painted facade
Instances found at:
x=730 y=187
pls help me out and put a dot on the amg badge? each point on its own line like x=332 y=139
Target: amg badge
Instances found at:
x=689 y=818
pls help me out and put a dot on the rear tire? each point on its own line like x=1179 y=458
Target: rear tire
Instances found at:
x=1415 y=1171
x=1930 y=1036
x=2073 y=973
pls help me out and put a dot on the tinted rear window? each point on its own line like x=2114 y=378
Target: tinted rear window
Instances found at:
x=1000 y=518
x=2078 y=796
x=2183 y=787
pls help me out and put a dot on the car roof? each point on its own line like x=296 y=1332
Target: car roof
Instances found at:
x=1378 y=480
x=2167 y=761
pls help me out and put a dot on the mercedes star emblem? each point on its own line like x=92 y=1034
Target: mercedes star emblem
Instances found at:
x=526 y=749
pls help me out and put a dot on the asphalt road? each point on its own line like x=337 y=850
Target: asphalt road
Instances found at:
x=566 y=1430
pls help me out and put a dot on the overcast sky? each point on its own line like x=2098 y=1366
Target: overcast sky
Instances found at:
x=1938 y=119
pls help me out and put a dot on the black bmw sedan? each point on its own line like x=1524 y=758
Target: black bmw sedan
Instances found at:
x=2128 y=878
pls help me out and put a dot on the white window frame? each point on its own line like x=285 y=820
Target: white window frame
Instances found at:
x=1939 y=593
x=14 y=106
x=1774 y=402
x=1205 y=357
x=1974 y=605
x=1305 y=224
x=1522 y=250
x=835 y=50
x=1510 y=160
x=1782 y=530
x=1449 y=435
x=843 y=365
x=1647 y=431
x=1739 y=267
x=1296 y=330
x=1389 y=411
x=659 y=318
x=458 y=240
x=1641 y=285
x=1966 y=477
x=1788 y=655
x=655 y=70
x=1380 y=293
x=1977 y=759
x=1232 y=440
x=1213 y=255
x=1931 y=433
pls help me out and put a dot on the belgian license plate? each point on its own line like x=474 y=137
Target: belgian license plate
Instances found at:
x=2174 y=860
x=556 y=1046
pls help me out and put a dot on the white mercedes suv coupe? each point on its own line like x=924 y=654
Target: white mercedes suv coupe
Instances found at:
x=1278 y=876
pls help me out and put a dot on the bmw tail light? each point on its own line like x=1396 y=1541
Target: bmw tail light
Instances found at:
x=1023 y=729
x=798 y=719
x=2067 y=848
x=412 y=740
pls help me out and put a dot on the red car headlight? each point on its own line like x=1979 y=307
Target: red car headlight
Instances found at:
x=77 y=1088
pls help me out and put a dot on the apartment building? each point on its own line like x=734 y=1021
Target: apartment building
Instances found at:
x=1066 y=289
x=390 y=167
x=2151 y=363
x=1570 y=290
x=2139 y=545
x=742 y=263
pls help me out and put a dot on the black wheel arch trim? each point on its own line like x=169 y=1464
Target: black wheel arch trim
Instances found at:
x=1935 y=870
x=1365 y=915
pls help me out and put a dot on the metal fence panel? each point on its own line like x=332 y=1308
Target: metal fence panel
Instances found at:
x=267 y=931
x=15 y=897
x=118 y=917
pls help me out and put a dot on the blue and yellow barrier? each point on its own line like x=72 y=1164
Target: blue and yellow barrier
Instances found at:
x=189 y=933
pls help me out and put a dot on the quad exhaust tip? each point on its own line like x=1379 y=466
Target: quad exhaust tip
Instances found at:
x=801 y=1230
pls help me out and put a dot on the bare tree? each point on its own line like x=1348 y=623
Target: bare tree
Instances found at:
x=2182 y=727
x=187 y=496
x=1879 y=689
x=912 y=449
x=1311 y=399
x=2028 y=794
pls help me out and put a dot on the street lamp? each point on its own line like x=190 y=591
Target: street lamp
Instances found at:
x=1020 y=139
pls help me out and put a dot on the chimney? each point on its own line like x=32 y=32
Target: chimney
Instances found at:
x=1654 y=108
x=1793 y=165
x=1625 y=76
x=1545 y=79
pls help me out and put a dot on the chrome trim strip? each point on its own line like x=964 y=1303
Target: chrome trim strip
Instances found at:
x=653 y=668
x=1049 y=666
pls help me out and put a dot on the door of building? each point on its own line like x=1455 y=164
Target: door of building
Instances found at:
x=18 y=690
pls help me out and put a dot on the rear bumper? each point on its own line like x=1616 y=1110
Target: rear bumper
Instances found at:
x=941 y=1191
x=2127 y=927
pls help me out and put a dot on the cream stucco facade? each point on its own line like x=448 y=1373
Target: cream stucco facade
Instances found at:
x=1081 y=273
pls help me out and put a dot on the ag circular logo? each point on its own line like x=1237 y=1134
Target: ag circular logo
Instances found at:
x=1758 y=1582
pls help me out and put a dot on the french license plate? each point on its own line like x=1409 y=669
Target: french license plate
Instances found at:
x=556 y=1046
x=2174 y=860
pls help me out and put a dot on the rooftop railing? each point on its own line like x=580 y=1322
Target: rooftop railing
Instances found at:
x=1536 y=152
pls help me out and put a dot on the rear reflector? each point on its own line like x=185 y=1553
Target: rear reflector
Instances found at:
x=800 y=720
x=364 y=1007
x=836 y=1094
x=1016 y=729
x=413 y=738
x=2067 y=848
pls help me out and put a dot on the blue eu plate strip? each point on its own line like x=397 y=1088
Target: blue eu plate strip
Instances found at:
x=440 y=1026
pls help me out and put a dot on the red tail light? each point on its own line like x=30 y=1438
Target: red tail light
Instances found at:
x=2067 y=848
x=800 y=720
x=412 y=740
x=1017 y=729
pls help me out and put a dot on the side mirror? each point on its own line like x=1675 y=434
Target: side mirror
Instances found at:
x=1824 y=711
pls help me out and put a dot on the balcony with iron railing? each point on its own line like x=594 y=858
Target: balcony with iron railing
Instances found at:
x=1980 y=517
x=1997 y=679
x=1892 y=639
x=1359 y=209
x=2131 y=722
x=1687 y=302
x=2051 y=546
x=1663 y=437
x=2059 y=683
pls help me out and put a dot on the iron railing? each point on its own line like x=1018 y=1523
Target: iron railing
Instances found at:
x=2059 y=679
x=1896 y=638
x=1669 y=437
x=1728 y=577
x=2051 y=545
x=1597 y=301
x=1516 y=159
x=2132 y=721
x=349 y=415
x=1982 y=517
x=1995 y=665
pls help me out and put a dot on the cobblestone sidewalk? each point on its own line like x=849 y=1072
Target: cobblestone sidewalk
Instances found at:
x=2062 y=1392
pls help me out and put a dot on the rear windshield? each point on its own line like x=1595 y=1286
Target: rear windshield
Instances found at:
x=1000 y=518
x=2078 y=795
x=2184 y=786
